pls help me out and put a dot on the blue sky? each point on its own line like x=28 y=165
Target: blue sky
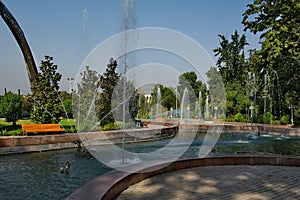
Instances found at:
x=59 y=28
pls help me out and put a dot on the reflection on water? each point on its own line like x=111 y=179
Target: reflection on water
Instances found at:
x=37 y=175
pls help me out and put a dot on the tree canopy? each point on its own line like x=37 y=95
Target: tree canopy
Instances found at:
x=46 y=95
x=11 y=107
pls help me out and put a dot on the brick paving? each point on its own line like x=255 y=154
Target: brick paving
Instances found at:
x=220 y=182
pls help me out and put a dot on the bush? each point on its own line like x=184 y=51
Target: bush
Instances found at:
x=285 y=119
x=239 y=117
x=268 y=118
x=111 y=126
x=222 y=116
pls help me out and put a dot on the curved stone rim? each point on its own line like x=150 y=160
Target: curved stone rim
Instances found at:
x=113 y=183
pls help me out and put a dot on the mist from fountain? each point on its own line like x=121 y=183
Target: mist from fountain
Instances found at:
x=206 y=108
x=158 y=103
x=200 y=106
x=185 y=106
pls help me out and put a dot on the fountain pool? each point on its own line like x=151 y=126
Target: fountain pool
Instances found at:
x=38 y=176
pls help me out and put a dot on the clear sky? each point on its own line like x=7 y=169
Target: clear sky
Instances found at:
x=69 y=29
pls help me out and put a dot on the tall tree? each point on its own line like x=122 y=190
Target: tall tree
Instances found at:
x=167 y=99
x=190 y=81
x=108 y=81
x=231 y=64
x=231 y=57
x=46 y=95
x=278 y=24
x=85 y=99
x=11 y=107
x=124 y=101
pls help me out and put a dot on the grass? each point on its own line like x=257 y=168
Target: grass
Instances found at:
x=7 y=128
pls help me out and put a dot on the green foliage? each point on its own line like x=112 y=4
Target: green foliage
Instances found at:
x=285 y=119
x=46 y=94
x=127 y=101
x=85 y=100
x=168 y=98
x=111 y=126
x=143 y=108
x=231 y=57
x=223 y=117
x=231 y=65
x=190 y=81
x=217 y=91
x=277 y=22
x=239 y=117
x=11 y=107
x=27 y=104
x=108 y=81
x=268 y=118
x=68 y=108
x=117 y=126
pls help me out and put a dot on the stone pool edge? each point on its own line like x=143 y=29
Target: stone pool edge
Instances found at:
x=113 y=183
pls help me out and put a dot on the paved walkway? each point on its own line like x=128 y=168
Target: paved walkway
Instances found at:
x=220 y=182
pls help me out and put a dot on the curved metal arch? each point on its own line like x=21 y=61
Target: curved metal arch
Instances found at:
x=17 y=32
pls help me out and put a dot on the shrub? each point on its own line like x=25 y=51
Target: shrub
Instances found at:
x=222 y=116
x=238 y=117
x=285 y=119
x=268 y=118
x=110 y=126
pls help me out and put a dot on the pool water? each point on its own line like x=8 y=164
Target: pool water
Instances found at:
x=38 y=175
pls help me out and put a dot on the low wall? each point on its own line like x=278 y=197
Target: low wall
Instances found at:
x=108 y=186
x=22 y=144
x=230 y=127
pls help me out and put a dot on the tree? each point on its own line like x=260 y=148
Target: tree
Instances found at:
x=231 y=57
x=216 y=90
x=189 y=80
x=278 y=24
x=108 y=81
x=124 y=101
x=85 y=100
x=46 y=95
x=232 y=66
x=11 y=107
x=168 y=98
x=66 y=99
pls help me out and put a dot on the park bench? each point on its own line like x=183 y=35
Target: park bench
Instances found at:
x=41 y=128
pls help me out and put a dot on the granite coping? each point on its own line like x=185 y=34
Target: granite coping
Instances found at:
x=113 y=183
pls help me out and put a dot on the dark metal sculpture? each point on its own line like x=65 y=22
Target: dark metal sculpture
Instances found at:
x=21 y=40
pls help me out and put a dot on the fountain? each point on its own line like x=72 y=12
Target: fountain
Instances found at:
x=275 y=99
x=206 y=109
x=251 y=92
x=158 y=103
x=185 y=107
x=200 y=106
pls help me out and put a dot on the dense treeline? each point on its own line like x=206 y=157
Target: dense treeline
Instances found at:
x=261 y=85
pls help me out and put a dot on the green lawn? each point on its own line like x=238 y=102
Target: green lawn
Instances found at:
x=7 y=129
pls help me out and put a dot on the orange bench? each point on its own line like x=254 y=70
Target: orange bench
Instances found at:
x=41 y=128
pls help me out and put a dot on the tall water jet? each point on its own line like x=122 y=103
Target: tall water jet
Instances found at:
x=185 y=106
x=129 y=23
x=265 y=95
x=158 y=103
x=200 y=106
x=84 y=36
x=275 y=99
x=251 y=93
x=206 y=109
